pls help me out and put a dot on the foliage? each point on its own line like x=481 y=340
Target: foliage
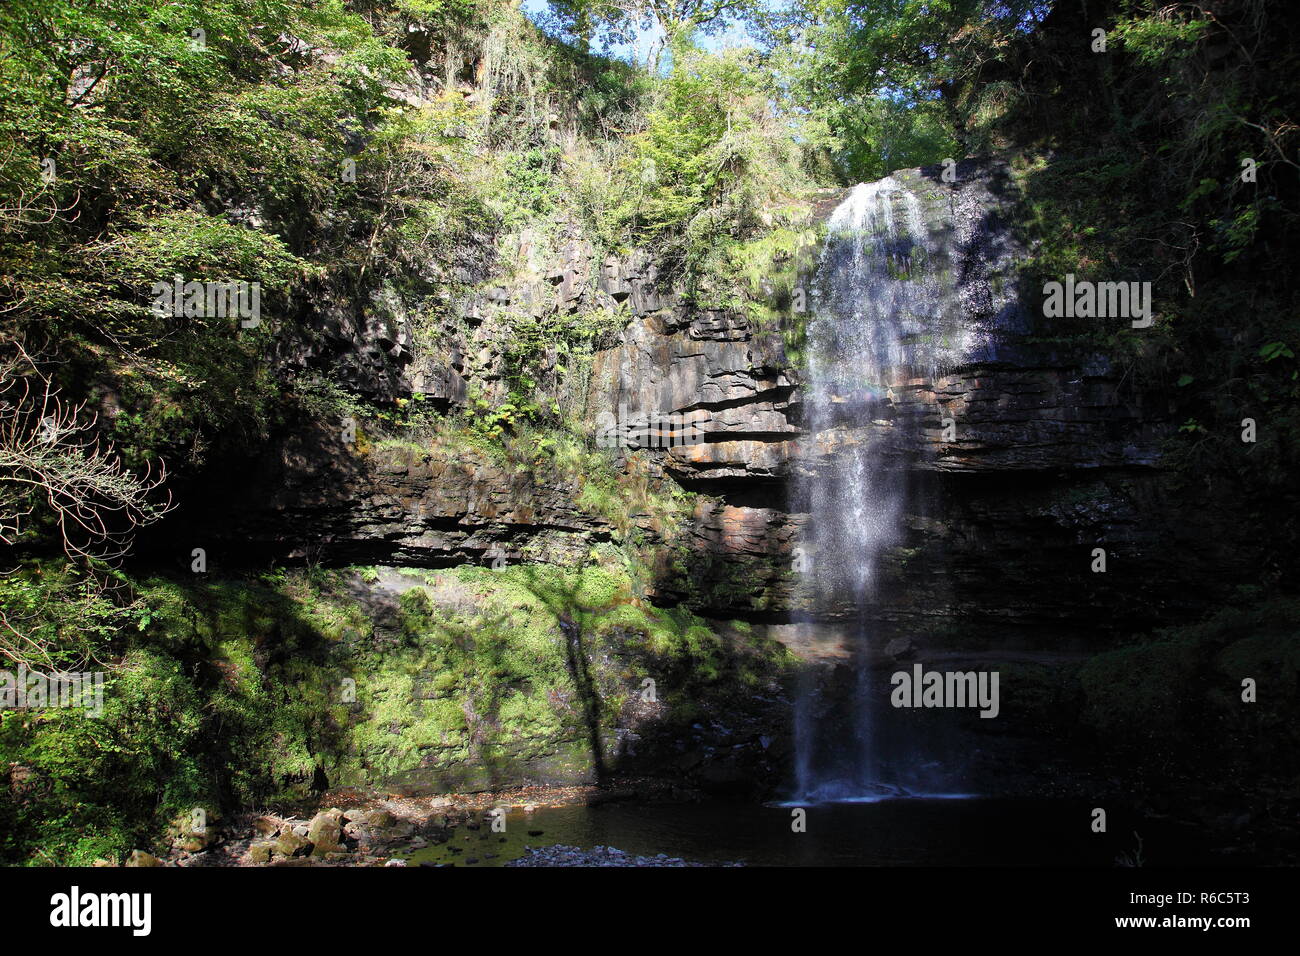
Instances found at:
x=714 y=168
x=1176 y=698
x=1198 y=199
x=231 y=693
x=658 y=24
x=888 y=77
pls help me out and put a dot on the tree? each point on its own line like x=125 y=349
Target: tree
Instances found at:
x=625 y=21
x=888 y=75
x=50 y=455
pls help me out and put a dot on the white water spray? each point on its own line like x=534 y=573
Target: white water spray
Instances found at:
x=879 y=305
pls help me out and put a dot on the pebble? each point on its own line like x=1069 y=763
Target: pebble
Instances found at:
x=598 y=856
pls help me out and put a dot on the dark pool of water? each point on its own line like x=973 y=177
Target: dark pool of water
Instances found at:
x=905 y=832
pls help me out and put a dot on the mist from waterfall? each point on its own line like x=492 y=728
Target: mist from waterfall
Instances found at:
x=875 y=305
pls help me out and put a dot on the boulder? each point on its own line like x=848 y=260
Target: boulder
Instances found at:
x=193 y=831
x=371 y=819
x=290 y=844
x=326 y=832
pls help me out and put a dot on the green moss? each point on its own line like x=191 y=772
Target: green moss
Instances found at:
x=246 y=692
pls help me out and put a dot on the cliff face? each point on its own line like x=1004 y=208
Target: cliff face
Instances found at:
x=1029 y=454
x=1026 y=455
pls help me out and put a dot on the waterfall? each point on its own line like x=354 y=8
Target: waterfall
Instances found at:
x=879 y=305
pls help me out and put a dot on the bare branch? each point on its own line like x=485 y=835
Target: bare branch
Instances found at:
x=50 y=451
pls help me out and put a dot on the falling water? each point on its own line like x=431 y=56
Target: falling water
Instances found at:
x=878 y=306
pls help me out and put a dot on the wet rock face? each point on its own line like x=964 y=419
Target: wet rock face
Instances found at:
x=735 y=391
x=1019 y=406
x=1026 y=456
x=319 y=497
x=394 y=336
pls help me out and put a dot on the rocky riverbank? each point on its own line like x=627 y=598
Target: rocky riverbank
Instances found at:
x=359 y=828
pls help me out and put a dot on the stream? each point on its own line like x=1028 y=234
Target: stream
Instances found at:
x=900 y=832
